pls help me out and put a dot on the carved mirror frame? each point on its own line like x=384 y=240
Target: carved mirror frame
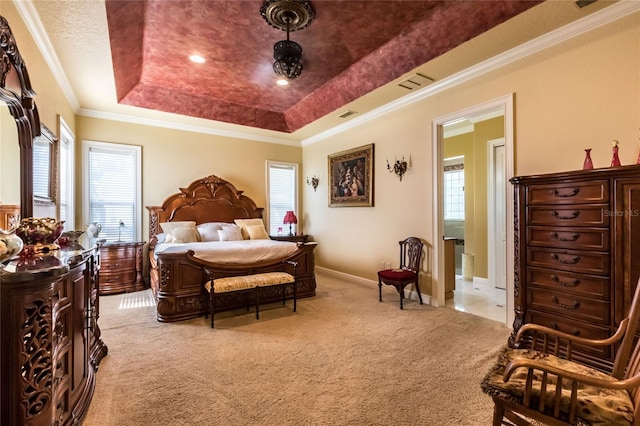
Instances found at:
x=17 y=94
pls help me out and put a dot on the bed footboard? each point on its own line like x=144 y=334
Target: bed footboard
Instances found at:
x=178 y=283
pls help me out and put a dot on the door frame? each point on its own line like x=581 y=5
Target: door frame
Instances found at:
x=506 y=103
x=491 y=206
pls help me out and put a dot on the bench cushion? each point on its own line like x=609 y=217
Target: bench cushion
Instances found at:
x=222 y=285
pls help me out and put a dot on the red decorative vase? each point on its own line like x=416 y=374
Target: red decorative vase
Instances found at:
x=615 y=161
x=588 y=164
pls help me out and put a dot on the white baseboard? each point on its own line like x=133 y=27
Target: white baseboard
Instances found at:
x=409 y=294
x=481 y=281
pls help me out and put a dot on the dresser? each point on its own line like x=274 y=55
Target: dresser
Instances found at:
x=51 y=345
x=576 y=236
x=121 y=267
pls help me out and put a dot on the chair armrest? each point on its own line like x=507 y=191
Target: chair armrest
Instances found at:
x=550 y=332
x=581 y=379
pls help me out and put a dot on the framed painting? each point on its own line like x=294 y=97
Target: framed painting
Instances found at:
x=351 y=177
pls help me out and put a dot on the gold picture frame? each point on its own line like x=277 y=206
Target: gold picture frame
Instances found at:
x=351 y=177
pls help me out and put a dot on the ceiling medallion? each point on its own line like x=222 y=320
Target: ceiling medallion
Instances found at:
x=291 y=15
x=287 y=15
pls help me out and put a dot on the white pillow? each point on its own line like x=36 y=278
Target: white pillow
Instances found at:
x=243 y=223
x=167 y=227
x=170 y=227
x=257 y=232
x=230 y=234
x=161 y=237
x=182 y=235
x=209 y=231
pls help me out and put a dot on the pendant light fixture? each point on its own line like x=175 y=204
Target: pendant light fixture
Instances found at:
x=287 y=15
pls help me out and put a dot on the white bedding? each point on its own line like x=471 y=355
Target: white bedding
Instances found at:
x=232 y=252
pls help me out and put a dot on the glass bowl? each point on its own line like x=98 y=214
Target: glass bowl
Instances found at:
x=10 y=245
x=39 y=231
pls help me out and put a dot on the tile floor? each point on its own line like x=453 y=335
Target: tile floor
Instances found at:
x=479 y=299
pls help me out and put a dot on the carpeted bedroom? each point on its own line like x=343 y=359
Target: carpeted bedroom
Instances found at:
x=342 y=359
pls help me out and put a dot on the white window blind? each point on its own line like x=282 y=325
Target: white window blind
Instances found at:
x=41 y=167
x=113 y=184
x=282 y=191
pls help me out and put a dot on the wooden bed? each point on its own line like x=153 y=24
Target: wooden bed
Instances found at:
x=177 y=279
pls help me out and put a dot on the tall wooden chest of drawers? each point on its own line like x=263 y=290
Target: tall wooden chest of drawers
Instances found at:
x=576 y=234
x=121 y=267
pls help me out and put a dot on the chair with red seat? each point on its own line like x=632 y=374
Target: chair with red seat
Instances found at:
x=408 y=271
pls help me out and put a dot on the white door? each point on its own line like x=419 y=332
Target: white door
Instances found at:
x=500 y=216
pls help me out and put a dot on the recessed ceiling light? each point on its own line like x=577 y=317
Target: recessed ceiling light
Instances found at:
x=197 y=59
x=282 y=82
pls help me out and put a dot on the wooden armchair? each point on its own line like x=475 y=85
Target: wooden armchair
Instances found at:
x=542 y=383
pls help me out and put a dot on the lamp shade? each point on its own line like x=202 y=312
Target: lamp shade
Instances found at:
x=290 y=217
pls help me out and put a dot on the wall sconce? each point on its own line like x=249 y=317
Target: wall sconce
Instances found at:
x=399 y=168
x=313 y=182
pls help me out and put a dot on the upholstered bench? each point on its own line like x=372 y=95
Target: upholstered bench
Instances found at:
x=251 y=284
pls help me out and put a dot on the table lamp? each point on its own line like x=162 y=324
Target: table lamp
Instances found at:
x=290 y=218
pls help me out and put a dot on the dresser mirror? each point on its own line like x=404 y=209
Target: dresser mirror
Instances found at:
x=16 y=93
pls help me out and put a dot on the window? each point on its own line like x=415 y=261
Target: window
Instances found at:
x=113 y=189
x=454 y=192
x=45 y=161
x=66 y=201
x=282 y=194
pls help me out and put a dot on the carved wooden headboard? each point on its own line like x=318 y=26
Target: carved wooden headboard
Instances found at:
x=210 y=199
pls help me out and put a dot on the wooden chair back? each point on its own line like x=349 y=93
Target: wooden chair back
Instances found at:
x=627 y=366
x=410 y=254
x=622 y=363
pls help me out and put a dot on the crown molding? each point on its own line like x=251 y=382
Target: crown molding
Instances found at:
x=126 y=118
x=31 y=19
x=597 y=19
x=605 y=16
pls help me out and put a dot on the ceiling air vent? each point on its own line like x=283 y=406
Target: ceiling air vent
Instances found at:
x=415 y=82
x=347 y=114
x=584 y=3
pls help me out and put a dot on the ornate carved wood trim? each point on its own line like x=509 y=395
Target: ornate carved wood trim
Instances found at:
x=16 y=91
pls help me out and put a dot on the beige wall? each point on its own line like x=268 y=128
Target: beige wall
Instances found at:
x=483 y=132
x=580 y=94
x=172 y=159
x=50 y=100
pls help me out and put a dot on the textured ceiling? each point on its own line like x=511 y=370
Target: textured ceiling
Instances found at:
x=351 y=48
x=127 y=60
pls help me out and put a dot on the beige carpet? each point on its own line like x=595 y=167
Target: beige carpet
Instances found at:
x=342 y=359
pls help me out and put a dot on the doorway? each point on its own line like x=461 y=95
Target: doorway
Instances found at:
x=486 y=236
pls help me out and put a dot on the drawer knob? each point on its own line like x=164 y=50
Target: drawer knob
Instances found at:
x=569 y=238
x=574 y=214
x=571 y=193
x=574 y=283
x=567 y=261
x=574 y=305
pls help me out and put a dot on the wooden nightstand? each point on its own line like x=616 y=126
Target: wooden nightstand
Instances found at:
x=292 y=238
x=121 y=267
